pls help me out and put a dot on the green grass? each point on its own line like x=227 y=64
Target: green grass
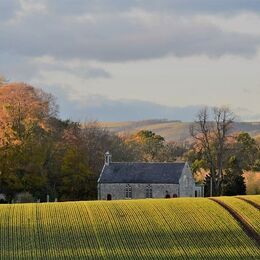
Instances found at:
x=247 y=211
x=183 y=228
x=255 y=199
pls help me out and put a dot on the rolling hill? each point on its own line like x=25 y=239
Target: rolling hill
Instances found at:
x=171 y=130
x=182 y=228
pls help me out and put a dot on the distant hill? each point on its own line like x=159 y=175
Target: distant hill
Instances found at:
x=171 y=130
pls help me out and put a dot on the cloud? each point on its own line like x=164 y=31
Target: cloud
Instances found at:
x=101 y=108
x=29 y=69
x=114 y=31
x=72 y=47
x=8 y=9
x=97 y=107
x=180 y=6
x=133 y=34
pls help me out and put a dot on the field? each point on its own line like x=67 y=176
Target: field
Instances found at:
x=249 y=212
x=183 y=228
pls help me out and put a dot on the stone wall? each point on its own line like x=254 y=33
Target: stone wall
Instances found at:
x=187 y=183
x=117 y=190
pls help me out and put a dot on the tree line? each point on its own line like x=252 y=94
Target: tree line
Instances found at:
x=43 y=155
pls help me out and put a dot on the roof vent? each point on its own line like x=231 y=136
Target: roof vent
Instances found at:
x=108 y=158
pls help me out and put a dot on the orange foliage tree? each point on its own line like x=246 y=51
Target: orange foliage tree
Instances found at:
x=25 y=123
x=22 y=110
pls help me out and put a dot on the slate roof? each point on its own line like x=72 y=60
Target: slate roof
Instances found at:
x=142 y=173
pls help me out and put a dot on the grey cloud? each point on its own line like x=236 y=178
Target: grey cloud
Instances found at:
x=96 y=73
x=16 y=67
x=82 y=6
x=104 y=109
x=8 y=9
x=180 y=6
x=81 y=71
x=121 y=38
x=22 y=68
x=204 y=6
x=101 y=108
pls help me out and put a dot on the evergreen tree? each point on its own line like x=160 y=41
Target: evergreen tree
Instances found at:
x=233 y=181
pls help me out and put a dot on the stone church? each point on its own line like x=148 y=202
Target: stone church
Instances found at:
x=136 y=180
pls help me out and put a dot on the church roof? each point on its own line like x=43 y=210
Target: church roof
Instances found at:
x=142 y=173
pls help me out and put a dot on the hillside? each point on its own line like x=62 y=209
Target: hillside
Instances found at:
x=185 y=228
x=171 y=130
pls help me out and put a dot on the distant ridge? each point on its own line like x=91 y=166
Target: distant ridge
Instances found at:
x=171 y=130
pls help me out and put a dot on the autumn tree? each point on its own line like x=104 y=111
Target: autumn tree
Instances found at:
x=147 y=144
x=25 y=115
x=23 y=110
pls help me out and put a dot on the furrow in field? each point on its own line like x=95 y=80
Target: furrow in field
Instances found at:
x=246 y=226
x=251 y=202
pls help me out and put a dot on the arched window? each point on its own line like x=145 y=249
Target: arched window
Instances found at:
x=167 y=195
x=128 y=192
x=109 y=197
x=149 y=191
x=185 y=181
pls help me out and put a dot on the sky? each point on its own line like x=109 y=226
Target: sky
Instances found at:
x=115 y=60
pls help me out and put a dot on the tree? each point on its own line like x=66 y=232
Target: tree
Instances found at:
x=247 y=151
x=147 y=144
x=171 y=151
x=25 y=129
x=211 y=131
x=77 y=179
x=233 y=180
x=23 y=111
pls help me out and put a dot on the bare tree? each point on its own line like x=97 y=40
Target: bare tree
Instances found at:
x=224 y=120
x=210 y=132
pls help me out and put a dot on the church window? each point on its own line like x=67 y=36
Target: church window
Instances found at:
x=149 y=191
x=128 y=192
x=186 y=181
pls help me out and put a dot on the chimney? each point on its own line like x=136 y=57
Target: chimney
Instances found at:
x=108 y=158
